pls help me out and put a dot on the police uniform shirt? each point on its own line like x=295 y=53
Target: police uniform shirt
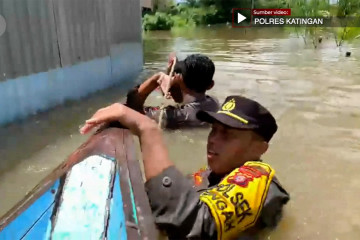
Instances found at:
x=175 y=116
x=178 y=211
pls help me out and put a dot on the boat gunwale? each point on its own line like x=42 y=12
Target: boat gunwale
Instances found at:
x=146 y=221
x=109 y=137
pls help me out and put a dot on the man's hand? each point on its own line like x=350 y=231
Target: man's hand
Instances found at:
x=164 y=82
x=171 y=86
x=154 y=152
x=177 y=84
x=129 y=118
x=171 y=61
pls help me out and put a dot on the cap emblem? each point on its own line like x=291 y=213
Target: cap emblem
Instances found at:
x=230 y=105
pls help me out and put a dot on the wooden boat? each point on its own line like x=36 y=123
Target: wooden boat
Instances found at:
x=97 y=193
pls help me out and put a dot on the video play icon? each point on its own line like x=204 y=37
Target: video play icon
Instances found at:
x=241 y=17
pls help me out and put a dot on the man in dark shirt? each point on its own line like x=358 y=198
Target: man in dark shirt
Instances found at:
x=238 y=197
x=193 y=77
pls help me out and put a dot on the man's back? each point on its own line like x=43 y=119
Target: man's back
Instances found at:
x=187 y=84
x=184 y=115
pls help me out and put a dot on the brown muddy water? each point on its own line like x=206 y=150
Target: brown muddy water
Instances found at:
x=314 y=94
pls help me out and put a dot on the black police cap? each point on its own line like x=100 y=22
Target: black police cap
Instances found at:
x=243 y=113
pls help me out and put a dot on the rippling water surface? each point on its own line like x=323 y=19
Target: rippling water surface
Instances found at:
x=314 y=94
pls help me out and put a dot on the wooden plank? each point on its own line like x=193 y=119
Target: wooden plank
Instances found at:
x=33 y=217
x=117 y=225
x=83 y=210
x=146 y=222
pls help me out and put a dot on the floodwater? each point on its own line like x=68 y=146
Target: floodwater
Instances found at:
x=313 y=93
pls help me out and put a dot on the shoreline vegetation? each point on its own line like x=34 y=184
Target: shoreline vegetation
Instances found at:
x=192 y=13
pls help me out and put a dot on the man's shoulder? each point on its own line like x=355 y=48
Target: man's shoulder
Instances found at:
x=280 y=188
x=276 y=197
x=210 y=103
x=184 y=115
x=249 y=195
x=236 y=202
x=272 y=211
x=255 y=170
x=212 y=98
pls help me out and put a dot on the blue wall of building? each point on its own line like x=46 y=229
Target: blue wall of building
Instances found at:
x=53 y=51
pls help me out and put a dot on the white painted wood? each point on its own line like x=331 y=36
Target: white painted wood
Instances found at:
x=84 y=205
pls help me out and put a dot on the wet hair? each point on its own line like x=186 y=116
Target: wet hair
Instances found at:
x=197 y=71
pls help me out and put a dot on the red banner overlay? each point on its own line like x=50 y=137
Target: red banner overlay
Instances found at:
x=271 y=12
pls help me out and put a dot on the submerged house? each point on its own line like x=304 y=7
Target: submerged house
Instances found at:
x=53 y=51
x=151 y=5
x=147 y=4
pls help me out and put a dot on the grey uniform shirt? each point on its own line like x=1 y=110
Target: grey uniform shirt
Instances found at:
x=176 y=116
x=178 y=211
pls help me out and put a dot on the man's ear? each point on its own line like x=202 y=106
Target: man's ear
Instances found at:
x=211 y=85
x=258 y=148
x=262 y=147
x=176 y=93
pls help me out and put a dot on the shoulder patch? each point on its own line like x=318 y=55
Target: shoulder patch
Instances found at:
x=237 y=201
x=246 y=174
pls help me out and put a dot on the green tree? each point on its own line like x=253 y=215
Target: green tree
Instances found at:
x=192 y=3
x=159 y=21
x=348 y=7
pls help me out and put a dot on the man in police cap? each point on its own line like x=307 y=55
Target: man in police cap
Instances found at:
x=235 y=198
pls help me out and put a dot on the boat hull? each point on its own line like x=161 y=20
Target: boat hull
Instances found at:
x=97 y=193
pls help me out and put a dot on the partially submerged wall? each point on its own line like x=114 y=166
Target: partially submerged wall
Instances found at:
x=52 y=51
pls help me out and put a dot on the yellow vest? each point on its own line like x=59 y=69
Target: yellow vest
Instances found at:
x=236 y=202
